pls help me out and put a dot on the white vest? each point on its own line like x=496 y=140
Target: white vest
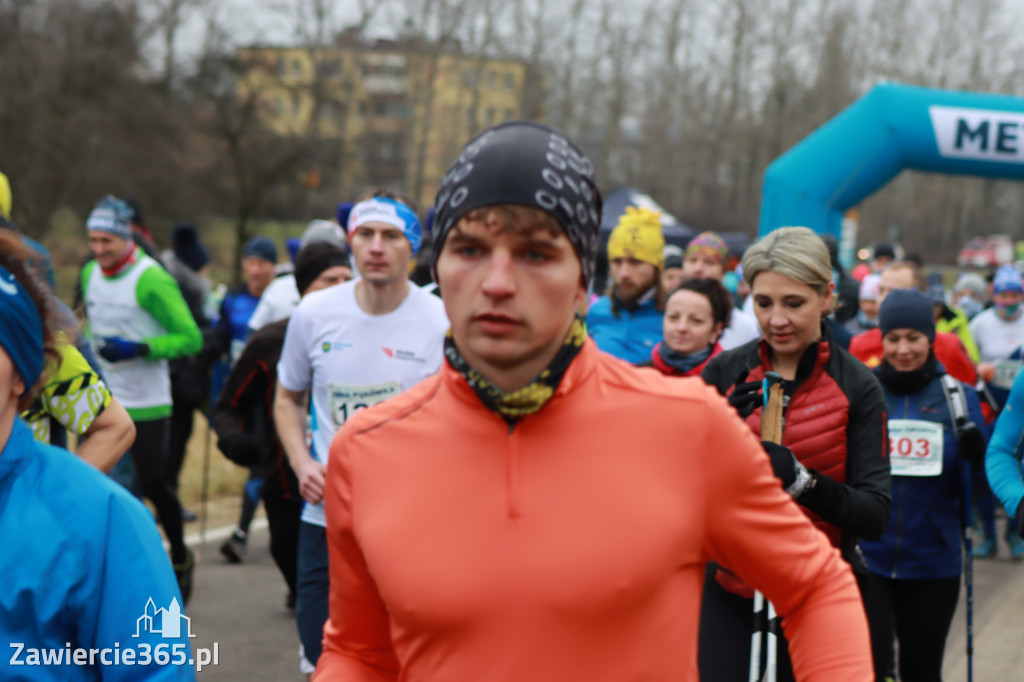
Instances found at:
x=113 y=309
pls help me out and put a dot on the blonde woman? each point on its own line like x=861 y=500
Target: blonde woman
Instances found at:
x=833 y=456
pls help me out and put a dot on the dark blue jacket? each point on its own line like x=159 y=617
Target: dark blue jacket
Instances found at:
x=923 y=538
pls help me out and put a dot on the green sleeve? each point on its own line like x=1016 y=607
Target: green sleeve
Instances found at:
x=969 y=345
x=159 y=295
x=86 y=275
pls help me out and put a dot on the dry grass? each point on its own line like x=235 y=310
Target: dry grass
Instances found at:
x=225 y=478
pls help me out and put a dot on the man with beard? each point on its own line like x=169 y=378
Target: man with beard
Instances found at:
x=627 y=322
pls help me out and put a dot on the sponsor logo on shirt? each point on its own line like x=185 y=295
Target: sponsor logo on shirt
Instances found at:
x=406 y=355
x=327 y=346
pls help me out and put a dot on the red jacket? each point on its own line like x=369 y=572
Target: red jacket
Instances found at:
x=657 y=363
x=571 y=546
x=949 y=350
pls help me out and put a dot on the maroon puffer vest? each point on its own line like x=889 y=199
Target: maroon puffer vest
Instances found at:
x=815 y=428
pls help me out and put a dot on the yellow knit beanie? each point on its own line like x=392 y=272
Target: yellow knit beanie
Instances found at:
x=638 y=235
x=5 y=197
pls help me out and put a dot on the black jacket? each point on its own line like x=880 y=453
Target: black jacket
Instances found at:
x=836 y=425
x=244 y=414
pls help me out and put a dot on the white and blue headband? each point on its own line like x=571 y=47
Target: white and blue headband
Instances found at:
x=389 y=212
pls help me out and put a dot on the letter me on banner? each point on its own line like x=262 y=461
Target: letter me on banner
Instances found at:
x=891 y=128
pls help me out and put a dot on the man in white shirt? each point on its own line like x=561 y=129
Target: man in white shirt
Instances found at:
x=350 y=347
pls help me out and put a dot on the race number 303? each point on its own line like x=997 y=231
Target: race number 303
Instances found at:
x=915 y=447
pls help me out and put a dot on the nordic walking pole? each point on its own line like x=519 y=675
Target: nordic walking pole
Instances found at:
x=203 y=511
x=968 y=533
x=764 y=612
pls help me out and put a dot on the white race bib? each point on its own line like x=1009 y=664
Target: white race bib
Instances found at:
x=915 y=447
x=345 y=400
x=1005 y=372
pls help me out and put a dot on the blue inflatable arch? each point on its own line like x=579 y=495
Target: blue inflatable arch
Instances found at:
x=891 y=128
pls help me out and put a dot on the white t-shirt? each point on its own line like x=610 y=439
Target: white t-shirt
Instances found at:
x=350 y=359
x=997 y=339
x=279 y=300
x=742 y=328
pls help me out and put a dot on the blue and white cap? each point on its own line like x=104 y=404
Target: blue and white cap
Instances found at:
x=1007 y=279
x=111 y=215
x=389 y=212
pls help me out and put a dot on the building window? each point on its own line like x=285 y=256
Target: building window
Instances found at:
x=282 y=67
x=329 y=67
x=471 y=117
x=296 y=68
x=296 y=105
x=489 y=117
x=509 y=114
x=469 y=77
x=361 y=108
x=510 y=81
x=492 y=78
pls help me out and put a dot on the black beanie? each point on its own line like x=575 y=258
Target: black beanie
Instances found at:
x=907 y=309
x=527 y=164
x=313 y=259
x=187 y=247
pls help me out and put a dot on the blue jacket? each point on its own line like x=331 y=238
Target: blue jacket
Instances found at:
x=232 y=323
x=1003 y=457
x=923 y=538
x=631 y=336
x=79 y=562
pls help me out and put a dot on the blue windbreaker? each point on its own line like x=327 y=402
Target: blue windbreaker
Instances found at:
x=631 y=336
x=80 y=560
x=1003 y=457
x=923 y=538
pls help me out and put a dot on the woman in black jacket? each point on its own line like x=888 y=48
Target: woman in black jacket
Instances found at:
x=833 y=455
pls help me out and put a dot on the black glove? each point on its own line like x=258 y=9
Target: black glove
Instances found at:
x=794 y=476
x=1020 y=519
x=746 y=397
x=970 y=443
x=783 y=462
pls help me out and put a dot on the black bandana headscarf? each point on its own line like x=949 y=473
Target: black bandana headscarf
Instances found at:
x=530 y=165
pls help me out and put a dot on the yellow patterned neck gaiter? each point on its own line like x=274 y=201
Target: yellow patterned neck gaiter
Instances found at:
x=532 y=397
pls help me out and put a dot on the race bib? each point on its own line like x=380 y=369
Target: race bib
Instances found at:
x=915 y=447
x=345 y=400
x=1005 y=372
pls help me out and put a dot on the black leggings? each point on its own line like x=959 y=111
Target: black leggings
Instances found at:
x=918 y=613
x=181 y=424
x=149 y=453
x=726 y=626
x=284 y=517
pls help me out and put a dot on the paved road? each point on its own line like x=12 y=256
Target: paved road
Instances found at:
x=241 y=608
x=998 y=624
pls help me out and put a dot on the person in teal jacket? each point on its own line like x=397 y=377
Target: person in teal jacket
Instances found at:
x=627 y=322
x=137 y=321
x=82 y=565
x=1003 y=457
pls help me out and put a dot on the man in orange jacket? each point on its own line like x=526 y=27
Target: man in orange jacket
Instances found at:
x=948 y=349
x=539 y=510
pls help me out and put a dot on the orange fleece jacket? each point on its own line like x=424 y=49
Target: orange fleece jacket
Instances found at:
x=571 y=547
